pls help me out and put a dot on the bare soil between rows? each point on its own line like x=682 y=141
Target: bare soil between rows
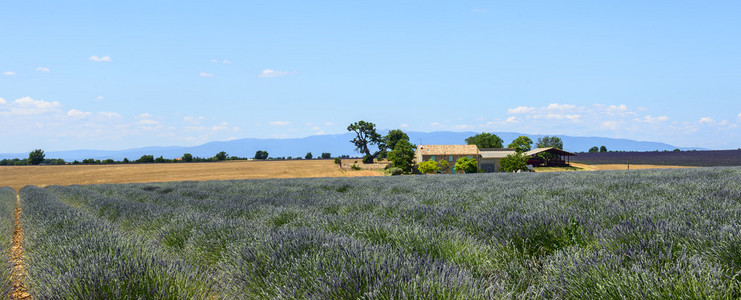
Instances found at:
x=18 y=275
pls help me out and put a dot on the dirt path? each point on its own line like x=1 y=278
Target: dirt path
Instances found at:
x=18 y=276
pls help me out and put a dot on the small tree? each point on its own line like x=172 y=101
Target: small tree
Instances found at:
x=521 y=144
x=36 y=157
x=308 y=155
x=160 y=159
x=187 y=157
x=443 y=165
x=261 y=154
x=603 y=149
x=402 y=155
x=337 y=161
x=513 y=162
x=221 y=156
x=468 y=165
x=593 y=149
x=326 y=155
x=428 y=167
x=485 y=140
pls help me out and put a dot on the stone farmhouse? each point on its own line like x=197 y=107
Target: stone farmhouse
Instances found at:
x=488 y=158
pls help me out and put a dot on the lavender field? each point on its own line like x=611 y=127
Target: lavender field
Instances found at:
x=619 y=234
x=672 y=158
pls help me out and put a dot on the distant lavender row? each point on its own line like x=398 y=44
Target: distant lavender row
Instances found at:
x=7 y=225
x=633 y=234
x=675 y=158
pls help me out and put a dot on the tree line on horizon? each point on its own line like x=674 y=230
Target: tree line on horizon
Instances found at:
x=38 y=157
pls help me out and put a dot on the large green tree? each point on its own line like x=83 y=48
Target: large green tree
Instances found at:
x=468 y=165
x=221 y=156
x=366 y=137
x=550 y=141
x=261 y=154
x=513 y=162
x=485 y=140
x=521 y=144
x=402 y=155
x=36 y=157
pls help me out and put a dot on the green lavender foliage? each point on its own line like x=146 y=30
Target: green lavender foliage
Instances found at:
x=575 y=235
x=74 y=255
x=8 y=202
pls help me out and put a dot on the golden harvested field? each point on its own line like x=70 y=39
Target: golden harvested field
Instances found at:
x=20 y=176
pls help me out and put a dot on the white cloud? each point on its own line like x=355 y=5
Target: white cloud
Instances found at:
x=330 y=123
x=511 y=119
x=95 y=58
x=226 y=62
x=99 y=98
x=216 y=61
x=520 y=110
x=2 y=101
x=552 y=116
x=148 y=122
x=267 y=73
x=320 y=133
x=43 y=69
x=404 y=125
x=145 y=115
x=279 y=123
x=194 y=120
x=706 y=120
x=739 y=115
x=612 y=125
x=556 y=106
x=204 y=74
x=222 y=126
x=110 y=114
x=28 y=106
x=434 y=124
x=9 y=73
x=650 y=119
x=462 y=126
x=77 y=114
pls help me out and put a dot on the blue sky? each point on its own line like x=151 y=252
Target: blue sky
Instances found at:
x=105 y=75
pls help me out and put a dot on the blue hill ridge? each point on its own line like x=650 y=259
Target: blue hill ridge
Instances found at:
x=336 y=144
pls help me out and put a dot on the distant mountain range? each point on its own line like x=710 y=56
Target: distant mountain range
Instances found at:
x=336 y=144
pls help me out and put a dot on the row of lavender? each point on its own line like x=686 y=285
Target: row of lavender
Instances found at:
x=674 y=158
x=657 y=234
x=8 y=202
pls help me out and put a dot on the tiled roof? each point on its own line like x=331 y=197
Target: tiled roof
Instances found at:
x=448 y=149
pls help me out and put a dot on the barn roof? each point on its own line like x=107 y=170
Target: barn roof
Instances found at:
x=448 y=149
x=551 y=150
x=494 y=153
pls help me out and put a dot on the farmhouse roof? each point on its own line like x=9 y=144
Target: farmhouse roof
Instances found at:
x=551 y=150
x=493 y=153
x=448 y=149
